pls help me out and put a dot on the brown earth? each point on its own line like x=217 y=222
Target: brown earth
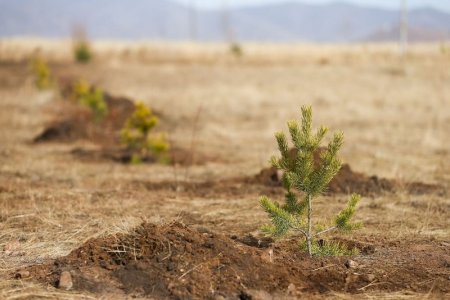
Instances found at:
x=348 y=181
x=77 y=122
x=54 y=202
x=178 y=262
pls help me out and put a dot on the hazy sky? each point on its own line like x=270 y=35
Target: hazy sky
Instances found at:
x=393 y=4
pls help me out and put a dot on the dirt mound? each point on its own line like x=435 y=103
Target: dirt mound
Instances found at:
x=79 y=123
x=165 y=261
x=178 y=262
x=348 y=181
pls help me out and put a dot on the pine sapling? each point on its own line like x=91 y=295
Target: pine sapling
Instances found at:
x=307 y=171
x=80 y=89
x=137 y=135
x=96 y=102
x=41 y=73
x=82 y=52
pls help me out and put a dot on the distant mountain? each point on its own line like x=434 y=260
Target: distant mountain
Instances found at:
x=164 y=19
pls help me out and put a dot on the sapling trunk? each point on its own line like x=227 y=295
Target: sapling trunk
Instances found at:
x=309 y=237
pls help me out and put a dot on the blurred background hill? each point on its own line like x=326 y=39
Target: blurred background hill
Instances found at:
x=170 y=20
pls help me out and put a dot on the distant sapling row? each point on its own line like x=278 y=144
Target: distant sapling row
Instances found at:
x=307 y=171
x=137 y=135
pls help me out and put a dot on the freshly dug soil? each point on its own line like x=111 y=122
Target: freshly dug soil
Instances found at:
x=348 y=181
x=178 y=262
x=79 y=124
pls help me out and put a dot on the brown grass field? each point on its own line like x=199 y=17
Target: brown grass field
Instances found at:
x=394 y=111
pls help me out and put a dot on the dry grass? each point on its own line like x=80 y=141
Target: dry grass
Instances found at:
x=395 y=114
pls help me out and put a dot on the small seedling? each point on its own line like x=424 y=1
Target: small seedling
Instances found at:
x=41 y=73
x=83 y=52
x=81 y=88
x=307 y=177
x=444 y=48
x=236 y=50
x=137 y=137
x=95 y=100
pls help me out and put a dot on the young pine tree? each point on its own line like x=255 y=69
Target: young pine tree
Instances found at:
x=305 y=179
x=95 y=100
x=41 y=73
x=136 y=135
x=82 y=52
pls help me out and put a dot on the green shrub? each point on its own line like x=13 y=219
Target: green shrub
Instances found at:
x=137 y=136
x=96 y=102
x=306 y=179
x=83 y=52
x=236 y=50
x=42 y=74
x=81 y=88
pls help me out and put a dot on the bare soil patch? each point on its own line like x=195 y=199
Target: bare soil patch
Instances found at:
x=179 y=262
x=77 y=123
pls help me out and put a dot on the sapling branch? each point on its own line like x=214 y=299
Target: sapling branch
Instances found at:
x=325 y=231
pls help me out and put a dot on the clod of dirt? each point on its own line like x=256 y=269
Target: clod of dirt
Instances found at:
x=351 y=264
x=250 y=240
x=177 y=262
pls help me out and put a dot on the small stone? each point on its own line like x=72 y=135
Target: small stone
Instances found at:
x=65 y=281
x=351 y=264
x=22 y=274
x=291 y=289
x=370 y=277
x=268 y=255
x=11 y=247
